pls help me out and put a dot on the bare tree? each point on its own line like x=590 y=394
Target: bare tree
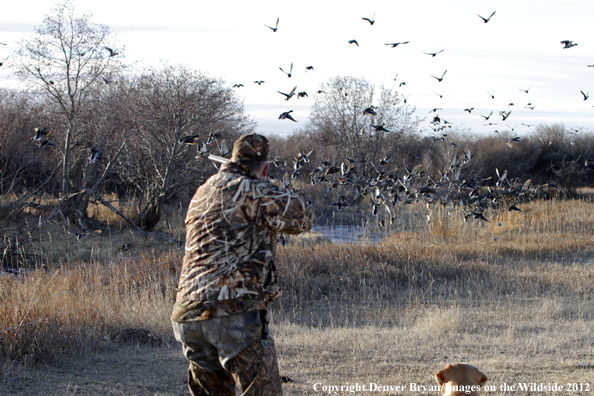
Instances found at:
x=109 y=125
x=171 y=104
x=101 y=123
x=349 y=117
x=63 y=61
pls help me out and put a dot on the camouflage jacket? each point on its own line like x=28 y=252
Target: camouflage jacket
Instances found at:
x=231 y=227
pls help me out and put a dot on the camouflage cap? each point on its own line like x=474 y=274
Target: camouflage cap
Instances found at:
x=251 y=147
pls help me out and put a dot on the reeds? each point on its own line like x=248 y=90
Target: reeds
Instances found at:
x=512 y=295
x=75 y=308
x=529 y=270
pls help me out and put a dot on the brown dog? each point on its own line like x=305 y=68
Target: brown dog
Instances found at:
x=460 y=379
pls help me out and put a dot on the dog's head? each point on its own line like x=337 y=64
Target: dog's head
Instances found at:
x=460 y=379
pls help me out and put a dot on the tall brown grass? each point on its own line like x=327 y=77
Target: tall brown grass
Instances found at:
x=39 y=241
x=547 y=250
x=537 y=264
x=78 y=307
x=512 y=295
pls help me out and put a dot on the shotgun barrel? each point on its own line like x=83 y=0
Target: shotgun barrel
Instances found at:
x=216 y=158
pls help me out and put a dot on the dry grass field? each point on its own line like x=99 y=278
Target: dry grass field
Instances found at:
x=512 y=296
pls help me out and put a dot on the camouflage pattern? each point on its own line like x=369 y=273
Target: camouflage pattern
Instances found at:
x=251 y=147
x=231 y=227
x=228 y=276
x=219 y=360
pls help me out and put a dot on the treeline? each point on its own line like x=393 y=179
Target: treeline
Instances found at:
x=87 y=128
x=547 y=154
x=127 y=147
x=124 y=146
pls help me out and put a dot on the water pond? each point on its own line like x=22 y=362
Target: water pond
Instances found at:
x=348 y=234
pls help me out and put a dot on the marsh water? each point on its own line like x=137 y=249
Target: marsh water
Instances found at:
x=348 y=233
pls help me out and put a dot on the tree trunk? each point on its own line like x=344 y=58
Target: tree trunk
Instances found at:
x=66 y=164
x=74 y=209
x=150 y=215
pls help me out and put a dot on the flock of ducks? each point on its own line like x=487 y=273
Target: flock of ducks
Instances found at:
x=41 y=134
x=436 y=127
x=353 y=180
x=436 y=123
x=348 y=183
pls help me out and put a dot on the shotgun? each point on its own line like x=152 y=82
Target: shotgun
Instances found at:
x=216 y=158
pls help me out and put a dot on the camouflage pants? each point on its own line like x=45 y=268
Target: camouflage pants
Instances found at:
x=230 y=351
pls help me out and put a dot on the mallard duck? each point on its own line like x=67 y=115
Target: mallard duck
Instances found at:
x=274 y=29
x=380 y=128
x=434 y=53
x=211 y=138
x=487 y=117
x=189 y=140
x=46 y=144
x=223 y=148
x=287 y=116
x=394 y=45
x=303 y=156
x=290 y=71
x=440 y=79
x=202 y=150
x=112 y=52
x=370 y=20
x=290 y=94
x=568 y=43
x=40 y=132
x=95 y=156
x=487 y=19
x=370 y=111
x=505 y=114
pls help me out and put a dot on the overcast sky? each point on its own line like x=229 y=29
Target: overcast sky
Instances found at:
x=518 y=49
